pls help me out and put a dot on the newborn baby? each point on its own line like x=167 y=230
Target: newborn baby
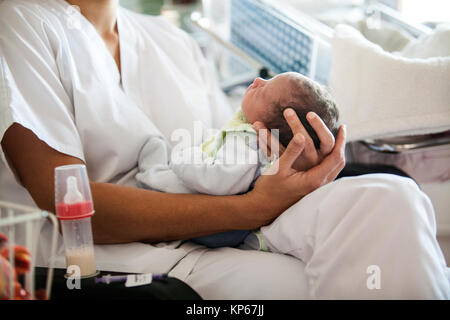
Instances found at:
x=230 y=161
x=265 y=101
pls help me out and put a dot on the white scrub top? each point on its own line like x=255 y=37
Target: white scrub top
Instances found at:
x=58 y=79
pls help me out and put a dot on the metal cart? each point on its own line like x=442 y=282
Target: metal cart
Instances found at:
x=15 y=219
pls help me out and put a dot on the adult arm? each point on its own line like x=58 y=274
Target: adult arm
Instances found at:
x=125 y=214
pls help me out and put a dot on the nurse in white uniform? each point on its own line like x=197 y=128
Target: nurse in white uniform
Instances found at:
x=93 y=87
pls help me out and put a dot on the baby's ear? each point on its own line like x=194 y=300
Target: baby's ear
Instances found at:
x=258 y=125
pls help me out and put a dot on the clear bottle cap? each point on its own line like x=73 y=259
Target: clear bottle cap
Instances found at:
x=73 y=199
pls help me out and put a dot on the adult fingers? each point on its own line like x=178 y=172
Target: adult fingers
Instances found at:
x=331 y=165
x=297 y=127
x=310 y=155
x=341 y=145
x=293 y=150
x=325 y=136
x=262 y=138
x=267 y=142
x=332 y=176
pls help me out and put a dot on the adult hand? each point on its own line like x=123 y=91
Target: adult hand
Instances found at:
x=282 y=185
x=310 y=156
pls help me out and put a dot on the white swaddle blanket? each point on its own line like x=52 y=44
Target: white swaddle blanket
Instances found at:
x=383 y=94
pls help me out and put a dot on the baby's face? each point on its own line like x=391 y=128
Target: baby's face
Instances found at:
x=262 y=94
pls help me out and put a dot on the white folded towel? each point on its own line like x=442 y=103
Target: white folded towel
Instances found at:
x=381 y=94
x=436 y=44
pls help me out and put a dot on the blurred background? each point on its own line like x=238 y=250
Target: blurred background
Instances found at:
x=211 y=21
x=175 y=10
x=215 y=20
x=416 y=11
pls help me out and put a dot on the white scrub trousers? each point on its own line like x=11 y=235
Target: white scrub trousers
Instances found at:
x=367 y=237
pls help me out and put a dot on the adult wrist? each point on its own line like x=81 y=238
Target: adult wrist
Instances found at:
x=256 y=209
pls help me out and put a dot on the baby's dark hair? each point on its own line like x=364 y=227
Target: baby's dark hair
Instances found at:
x=305 y=96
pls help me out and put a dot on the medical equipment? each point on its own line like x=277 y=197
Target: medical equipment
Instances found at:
x=272 y=42
x=18 y=219
x=280 y=42
x=402 y=144
x=134 y=279
x=74 y=209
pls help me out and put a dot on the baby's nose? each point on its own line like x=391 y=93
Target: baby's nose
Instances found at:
x=259 y=81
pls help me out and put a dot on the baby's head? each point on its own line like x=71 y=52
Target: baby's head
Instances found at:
x=265 y=101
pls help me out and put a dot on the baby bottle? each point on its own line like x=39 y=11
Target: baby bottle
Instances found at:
x=74 y=209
